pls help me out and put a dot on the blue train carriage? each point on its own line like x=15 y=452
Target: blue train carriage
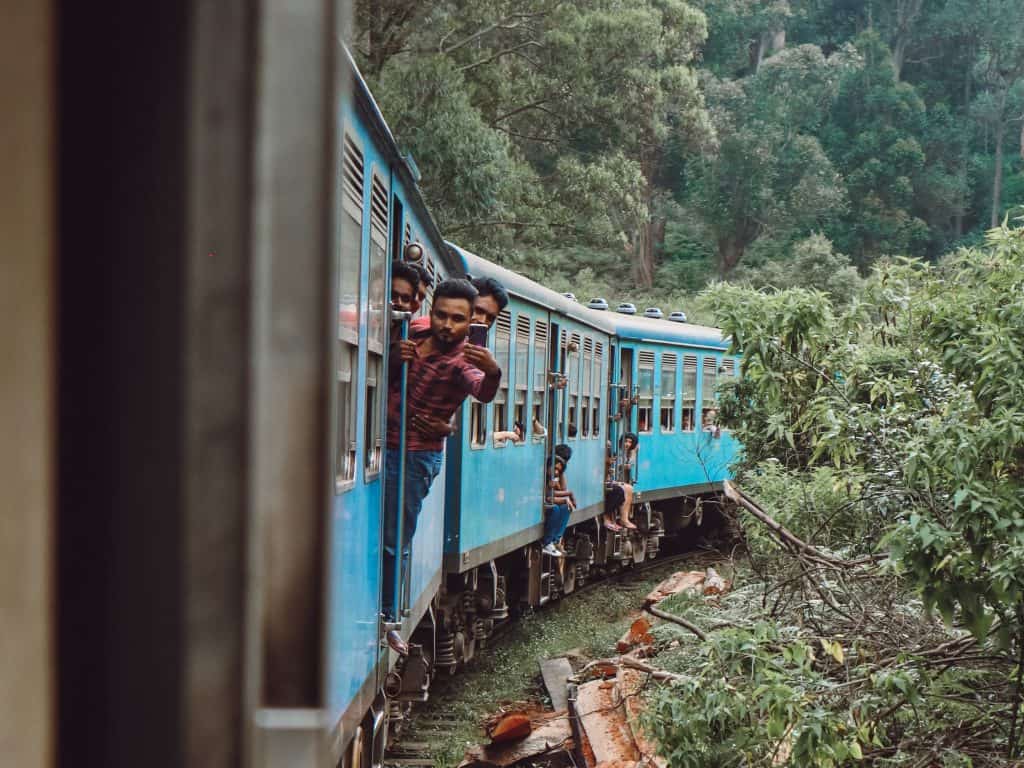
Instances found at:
x=379 y=212
x=668 y=372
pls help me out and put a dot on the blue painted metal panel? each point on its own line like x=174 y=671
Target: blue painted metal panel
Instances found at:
x=678 y=458
x=500 y=488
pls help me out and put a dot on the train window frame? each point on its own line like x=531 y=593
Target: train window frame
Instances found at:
x=573 y=365
x=586 y=387
x=596 y=418
x=350 y=229
x=503 y=338
x=377 y=261
x=520 y=354
x=477 y=424
x=539 y=371
x=645 y=361
x=346 y=417
x=708 y=399
x=667 y=393
x=689 y=370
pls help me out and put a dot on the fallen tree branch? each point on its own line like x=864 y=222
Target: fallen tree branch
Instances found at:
x=676 y=620
x=789 y=538
x=631 y=663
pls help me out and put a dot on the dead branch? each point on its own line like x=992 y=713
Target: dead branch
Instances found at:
x=677 y=620
x=790 y=539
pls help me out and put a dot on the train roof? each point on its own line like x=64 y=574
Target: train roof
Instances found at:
x=386 y=142
x=632 y=327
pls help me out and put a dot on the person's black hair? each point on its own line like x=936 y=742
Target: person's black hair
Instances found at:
x=564 y=452
x=403 y=270
x=613 y=499
x=628 y=435
x=421 y=272
x=519 y=425
x=488 y=286
x=552 y=459
x=572 y=430
x=455 y=288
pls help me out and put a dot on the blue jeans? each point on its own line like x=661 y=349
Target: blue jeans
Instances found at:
x=554 y=525
x=421 y=467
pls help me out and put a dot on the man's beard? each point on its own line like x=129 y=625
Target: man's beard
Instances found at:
x=445 y=344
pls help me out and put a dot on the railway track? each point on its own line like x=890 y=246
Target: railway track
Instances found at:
x=413 y=748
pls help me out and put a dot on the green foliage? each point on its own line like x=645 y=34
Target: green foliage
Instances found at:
x=812 y=264
x=917 y=390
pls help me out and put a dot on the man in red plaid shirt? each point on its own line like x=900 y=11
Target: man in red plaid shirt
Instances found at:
x=443 y=370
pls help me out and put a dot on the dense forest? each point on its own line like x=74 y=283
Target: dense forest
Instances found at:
x=637 y=149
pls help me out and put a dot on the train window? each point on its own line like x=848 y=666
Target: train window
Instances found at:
x=477 y=424
x=728 y=367
x=502 y=340
x=708 y=382
x=540 y=372
x=668 y=391
x=595 y=416
x=345 y=438
x=689 y=392
x=572 y=371
x=428 y=263
x=377 y=294
x=522 y=375
x=645 y=382
x=374 y=406
x=397 y=214
x=586 y=385
x=351 y=241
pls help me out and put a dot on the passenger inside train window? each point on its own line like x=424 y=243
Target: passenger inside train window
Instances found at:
x=711 y=423
x=539 y=429
x=561 y=503
x=516 y=435
x=491 y=299
x=442 y=371
x=421 y=288
x=404 y=284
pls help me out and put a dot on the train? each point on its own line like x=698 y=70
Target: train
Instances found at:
x=571 y=375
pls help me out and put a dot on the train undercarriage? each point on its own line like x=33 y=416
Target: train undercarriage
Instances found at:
x=472 y=606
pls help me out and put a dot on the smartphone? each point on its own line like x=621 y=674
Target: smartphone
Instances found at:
x=478 y=334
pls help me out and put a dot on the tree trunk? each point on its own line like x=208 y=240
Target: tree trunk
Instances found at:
x=730 y=252
x=997 y=177
x=643 y=254
x=767 y=43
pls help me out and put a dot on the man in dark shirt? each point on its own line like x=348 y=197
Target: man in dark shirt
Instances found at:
x=443 y=370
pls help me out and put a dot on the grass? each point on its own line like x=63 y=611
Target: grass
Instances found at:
x=586 y=625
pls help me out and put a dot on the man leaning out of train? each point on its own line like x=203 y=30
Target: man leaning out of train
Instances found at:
x=442 y=370
x=490 y=300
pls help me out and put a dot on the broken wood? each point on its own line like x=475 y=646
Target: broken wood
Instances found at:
x=639 y=633
x=511 y=727
x=556 y=673
x=713 y=583
x=684 y=581
x=598 y=706
x=551 y=734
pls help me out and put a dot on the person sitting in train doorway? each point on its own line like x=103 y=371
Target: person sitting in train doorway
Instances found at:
x=625 y=465
x=443 y=371
x=560 y=503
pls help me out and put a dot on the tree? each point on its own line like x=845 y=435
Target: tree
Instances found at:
x=770 y=175
x=873 y=138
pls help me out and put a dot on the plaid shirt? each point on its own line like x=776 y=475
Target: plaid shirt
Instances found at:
x=437 y=386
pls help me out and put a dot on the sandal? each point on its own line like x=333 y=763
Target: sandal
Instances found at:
x=612 y=526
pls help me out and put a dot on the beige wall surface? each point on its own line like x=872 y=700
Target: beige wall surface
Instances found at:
x=27 y=291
